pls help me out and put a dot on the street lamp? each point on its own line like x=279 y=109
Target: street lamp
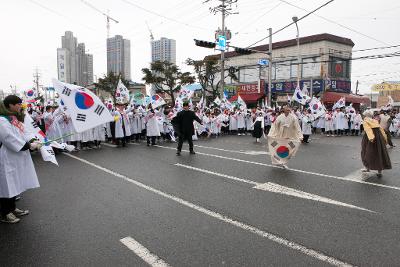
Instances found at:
x=295 y=19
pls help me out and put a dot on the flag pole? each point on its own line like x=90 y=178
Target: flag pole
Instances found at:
x=56 y=139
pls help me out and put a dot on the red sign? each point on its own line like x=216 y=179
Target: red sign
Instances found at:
x=251 y=88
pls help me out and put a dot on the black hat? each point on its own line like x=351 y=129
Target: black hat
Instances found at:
x=11 y=99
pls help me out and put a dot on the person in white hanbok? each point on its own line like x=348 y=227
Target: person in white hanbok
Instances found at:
x=233 y=126
x=152 y=126
x=306 y=125
x=357 y=121
x=122 y=128
x=329 y=127
x=17 y=172
x=241 y=124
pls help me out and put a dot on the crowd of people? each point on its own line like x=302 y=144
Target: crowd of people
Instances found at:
x=134 y=123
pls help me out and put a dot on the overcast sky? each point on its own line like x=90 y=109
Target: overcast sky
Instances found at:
x=32 y=30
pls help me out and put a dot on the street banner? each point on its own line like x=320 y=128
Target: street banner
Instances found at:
x=317 y=108
x=157 y=101
x=282 y=149
x=85 y=108
x=299 y=97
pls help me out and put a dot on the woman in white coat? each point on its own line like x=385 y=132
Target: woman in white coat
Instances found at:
x=17 y=173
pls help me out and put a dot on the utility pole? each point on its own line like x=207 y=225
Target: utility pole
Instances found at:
x=357 y=83
x=270 y=68
x=225 y=9
x=36 y=77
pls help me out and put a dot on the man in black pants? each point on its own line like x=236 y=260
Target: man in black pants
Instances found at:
x=183 y=125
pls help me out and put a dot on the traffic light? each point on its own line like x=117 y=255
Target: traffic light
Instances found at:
x=204 y=43
x=243 y=51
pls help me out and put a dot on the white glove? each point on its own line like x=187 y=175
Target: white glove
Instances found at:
x=35 y=145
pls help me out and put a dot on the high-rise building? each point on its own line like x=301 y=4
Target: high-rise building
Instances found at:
x=73 y=64
x=119 y=56
x=163 y=50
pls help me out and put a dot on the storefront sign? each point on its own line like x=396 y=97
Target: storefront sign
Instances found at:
x=318 y=85
x=386 y=87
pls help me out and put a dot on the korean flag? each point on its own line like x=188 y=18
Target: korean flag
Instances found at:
x=85 y=108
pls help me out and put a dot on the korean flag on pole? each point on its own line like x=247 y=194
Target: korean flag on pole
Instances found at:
x=317 y=108
x=32 y=130
x=299 y=97
x=157 y=101
x=85 y=108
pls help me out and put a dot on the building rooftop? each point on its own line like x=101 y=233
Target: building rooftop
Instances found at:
x=293 y=42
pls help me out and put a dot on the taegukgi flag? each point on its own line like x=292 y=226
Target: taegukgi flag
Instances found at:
x=317 y=108
x=85 y=108
x=299 y=97
x=282 y=149
x=32 y=130
x=157 y=101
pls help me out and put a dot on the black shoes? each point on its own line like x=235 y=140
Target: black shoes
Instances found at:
x=192 y=152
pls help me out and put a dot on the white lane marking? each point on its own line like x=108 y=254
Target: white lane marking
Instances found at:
x=277 y=239
x=290 y=169
x=277 y=188
x=280 y=189
x=143 y=253
x=218 y=174
x=236 y=151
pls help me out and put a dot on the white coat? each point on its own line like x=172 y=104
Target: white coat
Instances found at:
x=306 y=124
x=241 y=124
x=329 y=122
x=152 y=124
x=17 y=173
x=119 y=132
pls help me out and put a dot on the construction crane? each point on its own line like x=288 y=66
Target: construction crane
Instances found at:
x=107 y=16
x=151 y=33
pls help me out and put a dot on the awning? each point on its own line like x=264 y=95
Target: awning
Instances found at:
x=248 y=98
x=350 y=98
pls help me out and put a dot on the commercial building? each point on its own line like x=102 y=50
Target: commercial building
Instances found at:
x=325 y=70
x=119 y=56
x=163 y=50
x=73 y=64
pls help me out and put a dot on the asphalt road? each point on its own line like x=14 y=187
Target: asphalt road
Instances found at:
x=225 y=206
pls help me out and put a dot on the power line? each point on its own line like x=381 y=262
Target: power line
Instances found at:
x=337 y=23
x=160 y=15
x=290 y=24
x=376 y=48
x=60 y=14
x=268 y=11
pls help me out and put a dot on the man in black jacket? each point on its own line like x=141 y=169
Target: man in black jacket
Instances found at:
x=183 y=124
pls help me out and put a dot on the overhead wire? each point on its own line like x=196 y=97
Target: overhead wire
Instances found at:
x=163 y=16
x=337 y=23
x=290 y=24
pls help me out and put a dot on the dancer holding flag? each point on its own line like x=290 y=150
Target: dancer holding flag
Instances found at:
x=284 y=138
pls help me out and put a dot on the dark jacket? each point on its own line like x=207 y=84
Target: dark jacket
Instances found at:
x=183 y=122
